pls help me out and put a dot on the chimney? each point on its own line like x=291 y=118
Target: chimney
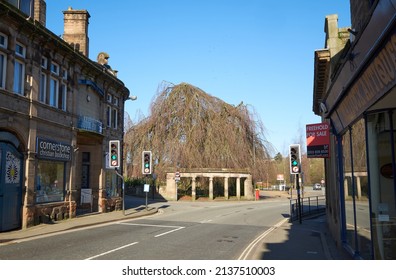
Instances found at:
x=40 y=11
x=76 y=29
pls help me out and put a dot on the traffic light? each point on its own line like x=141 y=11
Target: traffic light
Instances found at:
x=295 y=159
x=146 y=163
x=114 y=151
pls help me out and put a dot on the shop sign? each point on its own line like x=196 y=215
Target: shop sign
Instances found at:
x=318 y=140
x=52 y=150
x=377 y=78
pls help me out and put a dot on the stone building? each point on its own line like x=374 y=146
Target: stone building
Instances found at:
x=58 y=111
x=354 y=91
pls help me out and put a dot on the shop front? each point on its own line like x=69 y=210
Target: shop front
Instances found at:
x=361 y=107
x=52 y=169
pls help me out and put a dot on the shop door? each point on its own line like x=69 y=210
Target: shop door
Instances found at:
x=10 y=187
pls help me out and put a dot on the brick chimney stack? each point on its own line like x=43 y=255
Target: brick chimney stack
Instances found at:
x=76 y=29
x=40 y=11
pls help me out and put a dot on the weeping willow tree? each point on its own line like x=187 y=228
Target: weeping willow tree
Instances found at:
x=190 y=129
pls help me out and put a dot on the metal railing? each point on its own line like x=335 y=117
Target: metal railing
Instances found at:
x=309 y=206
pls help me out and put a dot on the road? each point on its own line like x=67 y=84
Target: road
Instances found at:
x=181 y=231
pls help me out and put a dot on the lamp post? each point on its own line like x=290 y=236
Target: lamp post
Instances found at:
x=133 y=98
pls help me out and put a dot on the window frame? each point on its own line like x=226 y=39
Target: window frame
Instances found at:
x=53 y=92
x=19 y=84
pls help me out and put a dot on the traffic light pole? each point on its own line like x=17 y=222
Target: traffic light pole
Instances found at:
x=123 y=191
x=298 y=197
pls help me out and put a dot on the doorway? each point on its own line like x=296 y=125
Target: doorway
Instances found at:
x=11 y=170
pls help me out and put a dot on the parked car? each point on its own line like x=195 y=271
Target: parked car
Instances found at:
x=317 y=186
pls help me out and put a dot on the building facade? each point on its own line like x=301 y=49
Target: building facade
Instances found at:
x=354 y=91
x=58 y=111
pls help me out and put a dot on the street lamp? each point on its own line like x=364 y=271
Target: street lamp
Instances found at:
x=133 y=98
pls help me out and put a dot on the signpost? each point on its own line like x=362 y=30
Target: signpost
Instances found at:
x=177 y=180
x=295 y=168
x=146 y=190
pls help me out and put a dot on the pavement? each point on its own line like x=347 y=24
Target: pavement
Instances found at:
x=308 y=240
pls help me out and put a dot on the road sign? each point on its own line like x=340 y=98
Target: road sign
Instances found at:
x=177 y=176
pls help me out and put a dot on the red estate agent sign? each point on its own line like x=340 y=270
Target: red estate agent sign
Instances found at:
x=318 y=140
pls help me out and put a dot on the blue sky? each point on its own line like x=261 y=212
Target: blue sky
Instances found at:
x=256 y=51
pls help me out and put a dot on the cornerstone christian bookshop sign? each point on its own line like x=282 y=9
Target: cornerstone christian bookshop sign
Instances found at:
x=52 y=150
x=318 y=140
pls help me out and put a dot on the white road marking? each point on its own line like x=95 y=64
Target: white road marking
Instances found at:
x=111 y=251
x=175 y=228
x=250 y=247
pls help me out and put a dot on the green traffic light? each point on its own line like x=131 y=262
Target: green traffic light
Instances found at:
x=294 y=163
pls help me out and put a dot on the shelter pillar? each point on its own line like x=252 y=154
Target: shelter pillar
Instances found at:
x=238 y=188
x=171 y=187
x=211 y=188
x=193 y=189
x=358 y=187
x=226 y=187
x=248 y=187
x=346 y=187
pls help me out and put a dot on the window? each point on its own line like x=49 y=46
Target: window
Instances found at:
x=3 y=63
x=64 y=74
x=62 y=97
x=112 y=185
x=115 y=101
x=3 y=60
x=55 y=68
x=381 y=139
x=109 y=98
x=108 y=116
x=54 y=88
x=114 y=119
x=43 y=88
x=356 y=190
x=3 y=41
x=44 y=62
x=19 y=74
x=20 y=50
x=25 y=6
x=19 y=69
x=50 y=181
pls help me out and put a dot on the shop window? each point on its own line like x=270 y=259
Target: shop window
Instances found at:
x=356 y=190
x=112 y=186
x=381 y=139
x=50 y=181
